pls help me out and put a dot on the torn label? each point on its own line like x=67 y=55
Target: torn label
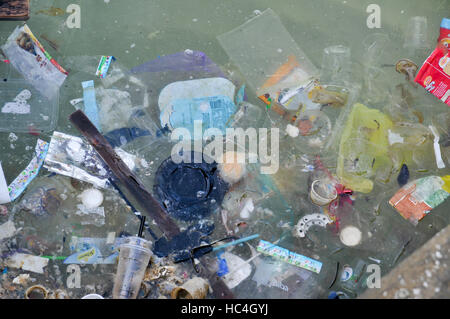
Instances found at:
x=30 y=172
x=90 y=103
x=103 y=65
x=310 y=220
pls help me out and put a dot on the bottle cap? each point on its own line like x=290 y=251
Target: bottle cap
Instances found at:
x=445 y=23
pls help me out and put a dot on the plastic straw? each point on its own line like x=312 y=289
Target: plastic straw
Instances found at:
x=235 y=242
x=141 y=226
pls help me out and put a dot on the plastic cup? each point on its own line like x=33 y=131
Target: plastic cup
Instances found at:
x=336 y=65
x=134 y=257
x=93 y=296
x=323 y=192
x=416 y=34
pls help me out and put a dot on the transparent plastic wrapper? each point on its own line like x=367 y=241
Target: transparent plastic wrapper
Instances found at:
x=416 y=37
x=336 y=65
x=374 y=77
x=89 y=250
x=267 y=56
x=187 y=84
x=114 y=102
x=29 y=57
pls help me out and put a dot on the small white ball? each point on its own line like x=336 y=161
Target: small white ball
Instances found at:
x=91 y=198
x=350 y=236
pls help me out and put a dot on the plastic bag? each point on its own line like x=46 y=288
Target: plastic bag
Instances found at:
x=187 y=83
x=363 y=148
x=29 y=57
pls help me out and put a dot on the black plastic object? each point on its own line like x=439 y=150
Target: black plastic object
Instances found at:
x=182 y=244
x=403 y=176
x=189 y=191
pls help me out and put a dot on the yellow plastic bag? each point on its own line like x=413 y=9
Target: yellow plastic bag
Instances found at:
x=363 y=147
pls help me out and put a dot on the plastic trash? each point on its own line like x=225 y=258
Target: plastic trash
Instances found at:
x=177 y=74
x=417 y=198
x=29 y=57
x=71 y=156
x=190 y=190
x=434 y=75
x=416 y=34
x=134 y=257
x=444 y=34
x=194 y=288
x=336 y=66
x=271 y=55
x=27 y=262
x=363 y=147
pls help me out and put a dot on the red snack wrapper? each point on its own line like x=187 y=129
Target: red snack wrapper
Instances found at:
x=434 y=75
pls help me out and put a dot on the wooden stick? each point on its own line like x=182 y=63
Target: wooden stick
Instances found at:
x=124 y=175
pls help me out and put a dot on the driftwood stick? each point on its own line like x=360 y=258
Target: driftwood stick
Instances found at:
x=124 y=175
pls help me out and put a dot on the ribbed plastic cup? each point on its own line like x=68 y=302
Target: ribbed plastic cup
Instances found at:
x=416 y=33
x=134 y=257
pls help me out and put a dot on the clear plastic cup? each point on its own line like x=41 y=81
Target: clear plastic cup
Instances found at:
x=336 y=65
x=134 y=257
x=416 y=34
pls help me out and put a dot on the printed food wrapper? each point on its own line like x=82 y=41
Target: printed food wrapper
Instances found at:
x=288 y=256
x=417 y=198
x=30 y=172
x=87 y=250
x=434 y=75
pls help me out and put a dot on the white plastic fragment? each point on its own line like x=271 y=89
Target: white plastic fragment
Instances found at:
x=394 y=138
x=239 y=270
x=4 y=193
x=248 y=208
x=7 y=230
x=292 y=130
x=310 y=220
x=437 y=149
x=27 y=262
x=21 y=279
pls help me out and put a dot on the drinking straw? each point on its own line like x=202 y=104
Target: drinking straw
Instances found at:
x=55 y=257
x=141 y=226
x=235 y=242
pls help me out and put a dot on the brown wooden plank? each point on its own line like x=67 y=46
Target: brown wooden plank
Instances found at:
x=14 y=9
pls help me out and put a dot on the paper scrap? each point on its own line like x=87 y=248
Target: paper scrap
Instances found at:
x=27 y=262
